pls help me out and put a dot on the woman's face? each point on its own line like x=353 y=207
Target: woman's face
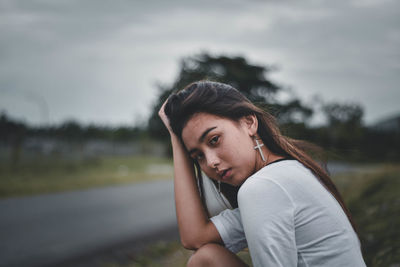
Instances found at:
x=223 y=148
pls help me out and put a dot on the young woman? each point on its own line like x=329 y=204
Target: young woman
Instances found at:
x=286 y=210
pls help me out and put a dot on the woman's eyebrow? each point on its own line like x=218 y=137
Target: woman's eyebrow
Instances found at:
x=205 y=133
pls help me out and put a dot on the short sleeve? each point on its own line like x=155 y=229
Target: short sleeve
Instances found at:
x=267 y=214
x=230 y=228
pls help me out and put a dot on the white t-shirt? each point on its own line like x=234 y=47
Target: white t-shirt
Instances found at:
x=286 y=217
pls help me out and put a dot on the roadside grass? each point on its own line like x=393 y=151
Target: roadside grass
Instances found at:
x=164 y=254
x=373 y=197
x=371 y=193
x=52 y=174
x=159 y=254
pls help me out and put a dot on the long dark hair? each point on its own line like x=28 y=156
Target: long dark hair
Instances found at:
x=225 y=101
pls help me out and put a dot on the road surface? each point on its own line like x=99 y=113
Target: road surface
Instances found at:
x=48 y=229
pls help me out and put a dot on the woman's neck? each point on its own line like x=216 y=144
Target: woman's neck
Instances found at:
x=268 y=156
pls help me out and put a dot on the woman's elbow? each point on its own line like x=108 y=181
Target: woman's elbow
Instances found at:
x=194 y=239
x=191 y=243
x=188 y=246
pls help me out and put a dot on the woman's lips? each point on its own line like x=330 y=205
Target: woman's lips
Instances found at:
x=226 y=174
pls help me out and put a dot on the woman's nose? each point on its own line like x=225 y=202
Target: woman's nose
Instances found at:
x=212 y=160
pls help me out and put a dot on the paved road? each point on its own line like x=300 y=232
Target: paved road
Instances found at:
x=52 y=228
x=47 y=229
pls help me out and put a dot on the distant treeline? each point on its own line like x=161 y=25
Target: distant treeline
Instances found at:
x=344 y=139
x=12 y=130
x=343 y=135
x=351 y=142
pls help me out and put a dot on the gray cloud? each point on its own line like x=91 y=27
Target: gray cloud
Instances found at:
x=98 y=61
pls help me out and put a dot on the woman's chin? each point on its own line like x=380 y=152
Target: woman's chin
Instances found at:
x=240 y=181
x=235 y=182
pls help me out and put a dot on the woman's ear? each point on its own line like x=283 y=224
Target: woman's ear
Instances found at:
x=250 y=122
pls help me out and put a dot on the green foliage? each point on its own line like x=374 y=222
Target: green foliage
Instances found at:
x=378 y=215
x=164 y=254
x=343 y=114
x=346 y=137
x=373 y=199
x=251 y=80
x=13 y=131
x=160 y=254
x=291 y=112
x=344 y=130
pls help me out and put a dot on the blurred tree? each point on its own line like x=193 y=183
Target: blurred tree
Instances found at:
x=12 y=133
x=382 y=140
x=125 y=133
x=344 y=131
x=292 y=112
x=71 y=131
x=343 y=114
x=95 y=132
x=249 y=79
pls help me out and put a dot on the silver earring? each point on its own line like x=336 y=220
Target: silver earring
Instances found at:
x=258 y=146
x=219 y=186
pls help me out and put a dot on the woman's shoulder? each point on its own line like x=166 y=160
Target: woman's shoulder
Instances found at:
x=281 y=171
x=287 y=175
x=265 y=188
x=268 y=178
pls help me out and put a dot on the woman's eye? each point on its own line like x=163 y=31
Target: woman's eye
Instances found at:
x=198 y=157
x=214 y=140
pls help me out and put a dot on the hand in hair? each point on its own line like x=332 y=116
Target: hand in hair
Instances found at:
x=164 y=117
x=195 y=228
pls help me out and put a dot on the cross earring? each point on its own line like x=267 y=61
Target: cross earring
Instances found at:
x=258 y=146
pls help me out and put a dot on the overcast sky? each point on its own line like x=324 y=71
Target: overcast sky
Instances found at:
x=99 y=61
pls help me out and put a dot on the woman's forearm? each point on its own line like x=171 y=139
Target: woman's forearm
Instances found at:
x=194 y=226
